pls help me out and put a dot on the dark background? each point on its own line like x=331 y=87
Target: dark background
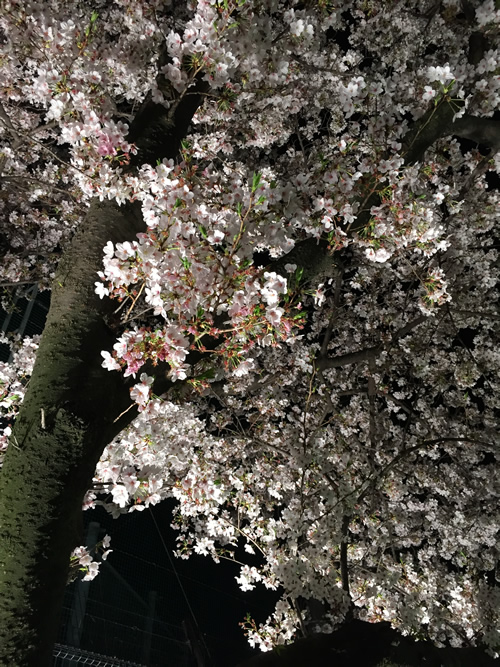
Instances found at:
x=197 y=591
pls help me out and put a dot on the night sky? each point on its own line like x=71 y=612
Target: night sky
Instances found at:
x=115 y=619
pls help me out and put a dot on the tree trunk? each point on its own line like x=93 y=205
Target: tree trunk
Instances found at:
x=65 y=422
x=68 y=416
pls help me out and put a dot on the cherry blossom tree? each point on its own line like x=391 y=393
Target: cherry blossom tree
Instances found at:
x=269 y=231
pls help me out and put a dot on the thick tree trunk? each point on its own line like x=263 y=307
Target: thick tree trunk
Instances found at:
x=68 y=416
x=65 y=422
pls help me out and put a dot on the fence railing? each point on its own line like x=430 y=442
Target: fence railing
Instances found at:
x=67 y=656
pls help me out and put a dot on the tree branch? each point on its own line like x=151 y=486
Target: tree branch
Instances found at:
x=323 y=363
x=344 y=567
x=437 y=122
x=369 y=353
x=485 y=131
x=407 y=452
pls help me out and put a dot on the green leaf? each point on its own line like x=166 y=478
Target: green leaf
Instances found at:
x=239 y=208
x=256 y=181
x=203 y=231
x=93 y=18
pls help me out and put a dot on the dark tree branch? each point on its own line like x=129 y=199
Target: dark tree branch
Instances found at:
x=369 y=353
x=323 y=363
x=408 y=452
x=344 y=565
x=157 y=129
x=437 y=122
x=483 y=131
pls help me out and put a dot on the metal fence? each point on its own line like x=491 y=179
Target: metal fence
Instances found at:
x=67 y=656
x=125 y=613
x=25 y=313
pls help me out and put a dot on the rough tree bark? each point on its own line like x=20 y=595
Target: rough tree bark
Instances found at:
x=65 y=422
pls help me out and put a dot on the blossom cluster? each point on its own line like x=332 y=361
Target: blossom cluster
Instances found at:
x=14 y=376
x=363 y=445
x=81 y=560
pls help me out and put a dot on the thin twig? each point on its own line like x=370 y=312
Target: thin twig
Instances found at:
x=135 y=300
x=125 y=411
x=242 y=532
